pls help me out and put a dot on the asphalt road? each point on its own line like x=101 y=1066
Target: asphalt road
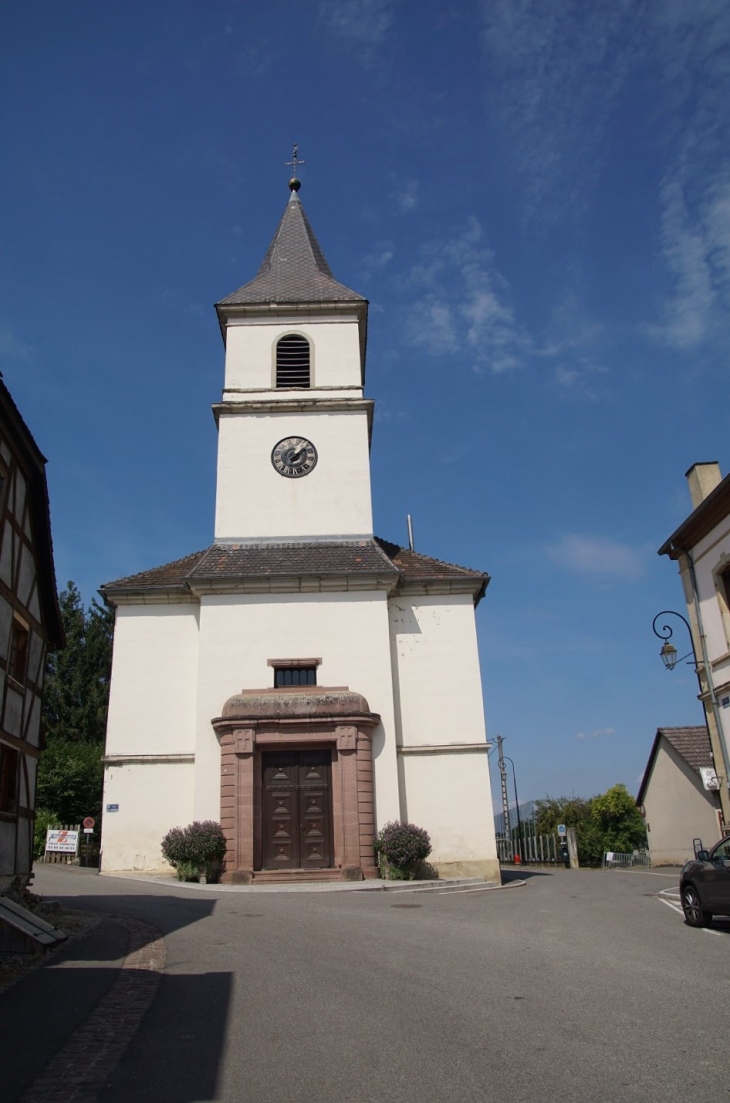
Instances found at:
x=581 y=985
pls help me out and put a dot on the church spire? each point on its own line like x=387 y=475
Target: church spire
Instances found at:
x=294 y=269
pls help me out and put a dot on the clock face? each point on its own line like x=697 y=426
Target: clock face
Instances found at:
x=294 y=457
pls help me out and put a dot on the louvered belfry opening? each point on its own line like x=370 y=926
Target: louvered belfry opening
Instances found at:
x=292 y=361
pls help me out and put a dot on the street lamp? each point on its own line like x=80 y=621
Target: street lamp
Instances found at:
x=517 y=802
x=668 y=653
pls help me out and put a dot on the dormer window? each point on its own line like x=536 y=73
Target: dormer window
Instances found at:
x=292 y=362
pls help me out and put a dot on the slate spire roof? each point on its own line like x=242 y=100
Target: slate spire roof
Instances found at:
x=294 y=269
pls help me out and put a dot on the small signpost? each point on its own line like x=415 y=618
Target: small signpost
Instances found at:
x=562 y=829
x=89 y=822
x=62 y=840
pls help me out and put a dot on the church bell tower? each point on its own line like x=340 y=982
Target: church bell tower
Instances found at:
x=293 y=424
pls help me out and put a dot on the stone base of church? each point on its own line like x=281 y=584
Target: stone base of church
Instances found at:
x=488 y=868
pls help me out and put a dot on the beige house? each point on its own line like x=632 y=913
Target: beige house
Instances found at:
x=701 y=549
x=673 y=799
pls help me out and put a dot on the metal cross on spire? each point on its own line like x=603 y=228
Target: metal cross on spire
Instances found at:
x=294 y=164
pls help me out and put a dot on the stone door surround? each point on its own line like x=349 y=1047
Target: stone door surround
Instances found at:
x=297 y=718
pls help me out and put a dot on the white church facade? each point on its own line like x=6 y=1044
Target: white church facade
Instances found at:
x=300 y=680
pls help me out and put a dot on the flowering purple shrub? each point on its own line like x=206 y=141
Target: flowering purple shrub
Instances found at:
x=400 y=847
x=201 y=843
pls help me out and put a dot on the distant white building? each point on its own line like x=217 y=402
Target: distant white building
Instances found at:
x=300 y=679
x=701 y=548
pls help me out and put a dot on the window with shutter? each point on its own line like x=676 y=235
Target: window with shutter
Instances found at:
x=292 y=362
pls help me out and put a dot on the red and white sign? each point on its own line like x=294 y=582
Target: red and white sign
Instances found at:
x=89 y=822
x=61 y=841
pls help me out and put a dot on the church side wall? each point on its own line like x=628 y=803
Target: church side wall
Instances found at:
x=154 y=669
x=436 y=668
x=151 y=713
x=334 y=357
x=152 y=798
x=334 y=498
x=347 y=631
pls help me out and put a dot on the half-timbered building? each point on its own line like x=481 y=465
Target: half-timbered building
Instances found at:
x=30 y=624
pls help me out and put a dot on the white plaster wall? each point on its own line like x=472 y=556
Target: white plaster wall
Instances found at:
x=251 y=358
x=254 y=501
x=348 y=632
x=450 y=795
x=151 y=799
x=153 y=683
x=678 y=809
x=436 y=662
x=711 y=555
x=439 y=701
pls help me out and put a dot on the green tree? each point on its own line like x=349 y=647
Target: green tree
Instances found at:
x=608 y=821
x=76 y=695
x=618 y=819
x=76 y=691
x=572 y=811
x=70 y=780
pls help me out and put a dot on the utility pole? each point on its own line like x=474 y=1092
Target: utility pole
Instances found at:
x=505 y=798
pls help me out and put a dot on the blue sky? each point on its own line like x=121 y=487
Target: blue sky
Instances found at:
x=534 y=196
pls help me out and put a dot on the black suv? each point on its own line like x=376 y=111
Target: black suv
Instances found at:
x=704 y=885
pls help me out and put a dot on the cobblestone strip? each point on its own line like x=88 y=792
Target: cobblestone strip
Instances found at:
x=79 y=1070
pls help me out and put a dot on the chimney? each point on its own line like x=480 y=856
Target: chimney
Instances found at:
x=702 y=479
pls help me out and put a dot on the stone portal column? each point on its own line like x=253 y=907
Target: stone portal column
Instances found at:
x=346 y=736
x=237 y=804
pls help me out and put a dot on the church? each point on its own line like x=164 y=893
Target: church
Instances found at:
x=301 y=681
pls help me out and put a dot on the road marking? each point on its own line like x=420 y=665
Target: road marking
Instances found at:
x=674 y=907
x=679 y=909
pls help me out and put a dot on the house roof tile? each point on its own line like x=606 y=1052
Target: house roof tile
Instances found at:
x=314 y=558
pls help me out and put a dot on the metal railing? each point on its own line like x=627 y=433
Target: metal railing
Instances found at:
x=529 y=849
x=613 y=860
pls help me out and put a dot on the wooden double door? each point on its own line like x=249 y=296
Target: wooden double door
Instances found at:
x=297 y=810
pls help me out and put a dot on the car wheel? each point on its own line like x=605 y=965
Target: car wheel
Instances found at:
x=694 y=913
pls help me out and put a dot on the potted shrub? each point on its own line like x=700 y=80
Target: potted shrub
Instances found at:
x=400 y=848
x=196 y=850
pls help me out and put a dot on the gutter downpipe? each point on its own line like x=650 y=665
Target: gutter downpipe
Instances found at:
x=706 y=666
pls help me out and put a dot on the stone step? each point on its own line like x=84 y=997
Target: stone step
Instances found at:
x=434 y=886
x=294 y=876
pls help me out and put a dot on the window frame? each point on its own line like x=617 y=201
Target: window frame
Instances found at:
x=281 y=666
x=275 y=361
x=9 y=773
x=17 y=668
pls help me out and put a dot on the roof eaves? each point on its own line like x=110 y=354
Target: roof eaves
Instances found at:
x=709 y=513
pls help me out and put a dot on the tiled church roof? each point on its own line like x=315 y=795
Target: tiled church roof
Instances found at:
x=294 y=269
x=232 y=561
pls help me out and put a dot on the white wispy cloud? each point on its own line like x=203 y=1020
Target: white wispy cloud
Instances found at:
x=464 y=304
x=381 y=255
x=598 y=556
x=406 y=196
x=11 y=346
x=358 y=25
x=599 y=733
x=555 y=72
x=695 y=242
